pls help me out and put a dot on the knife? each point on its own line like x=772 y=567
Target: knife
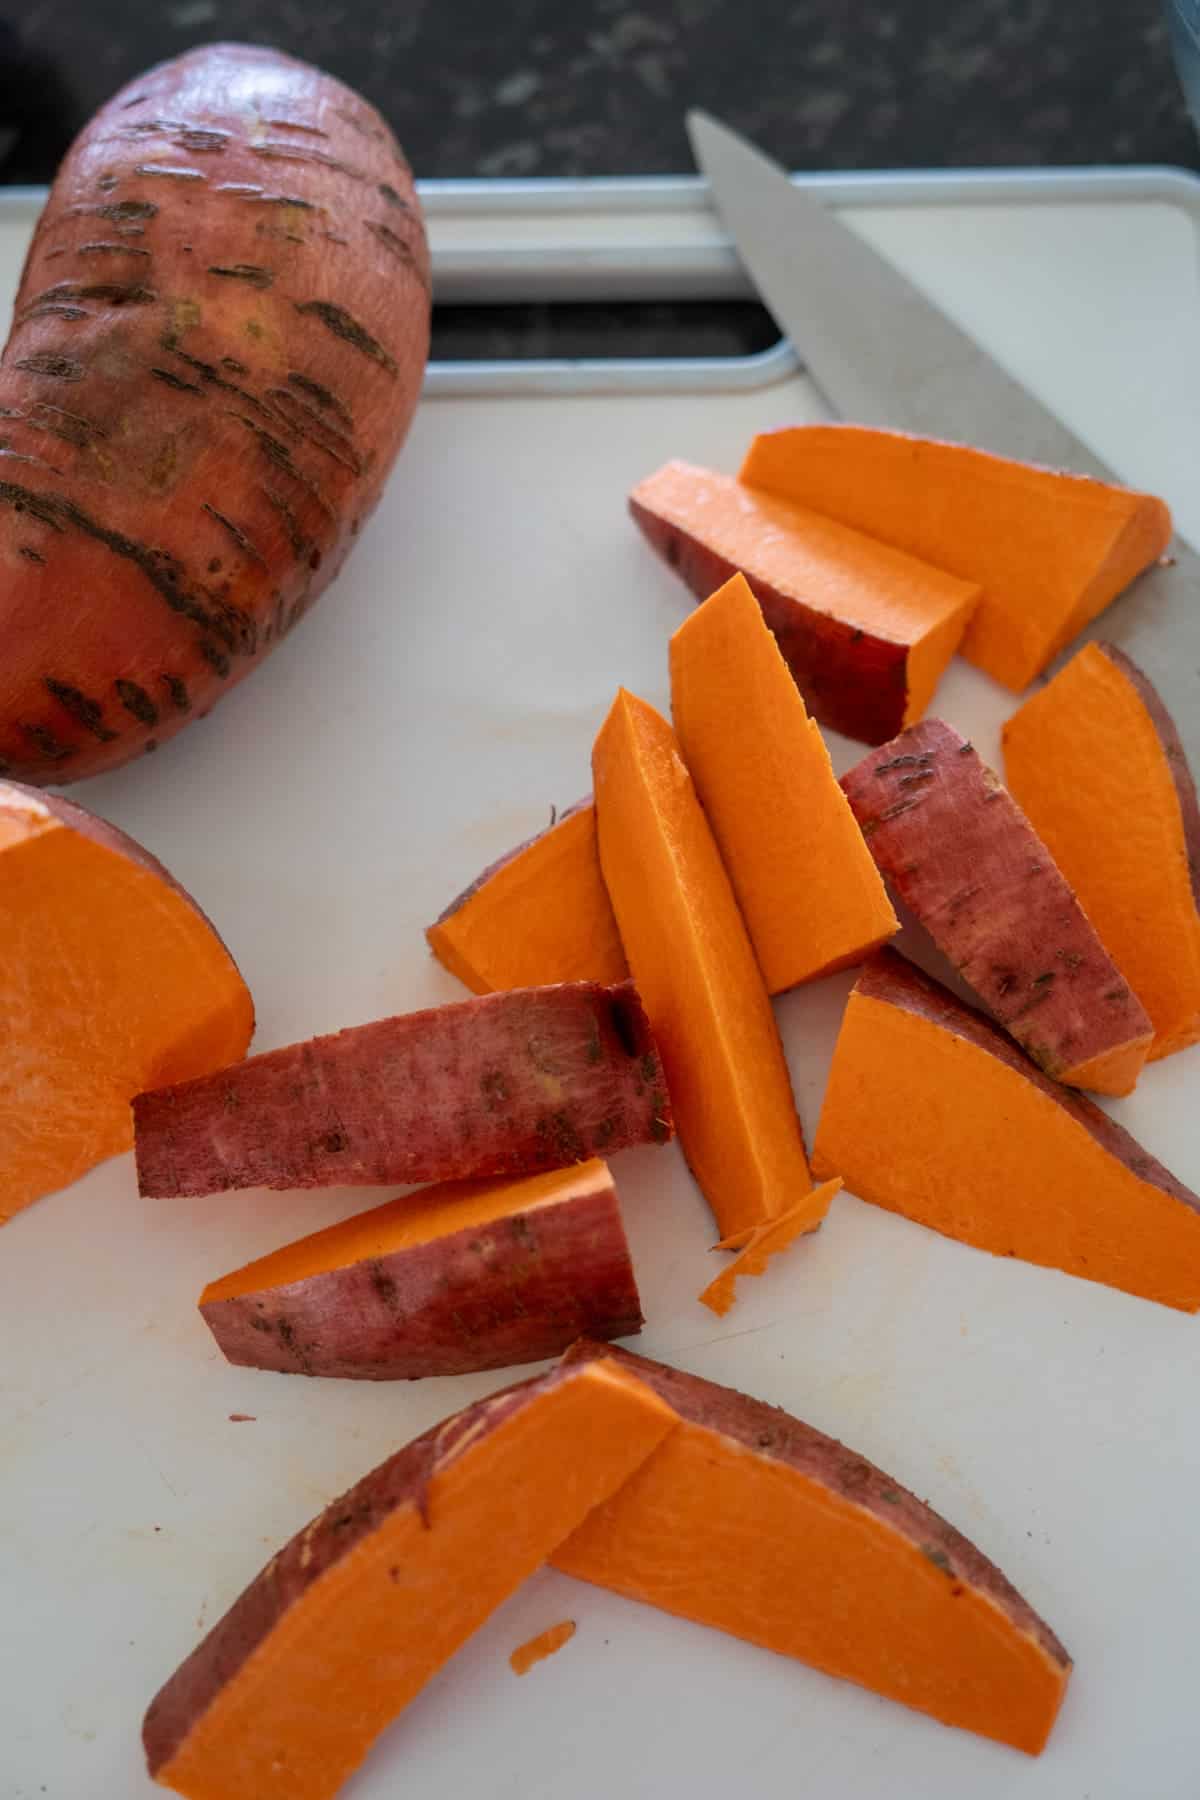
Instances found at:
x=884 y=354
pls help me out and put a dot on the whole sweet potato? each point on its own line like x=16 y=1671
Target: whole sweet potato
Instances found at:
x=217 y=346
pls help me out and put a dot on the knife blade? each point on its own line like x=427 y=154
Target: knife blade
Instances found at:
x=883 y=353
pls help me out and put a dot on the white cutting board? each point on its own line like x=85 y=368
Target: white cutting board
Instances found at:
x=423 y=720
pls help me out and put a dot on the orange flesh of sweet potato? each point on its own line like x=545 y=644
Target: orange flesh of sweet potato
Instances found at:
x=1096 y=763
x=960 y=852
x=540 y=914
x=110 y=978
x=865 y=630
x=217 y=346
x=350 y=1620
x=933 y=1113
x=466 y=1275
x=1049 y=550
x=810 y=894
x=508 y=1084
x=756 y=1248
x=750 y=1521
x=694 y=965
x=546 y=1643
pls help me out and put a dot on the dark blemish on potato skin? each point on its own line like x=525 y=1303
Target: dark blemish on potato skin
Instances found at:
x=337 y=320
x=254 y=273
x=176 y=381
x=45 y=742
x=177 y=690
x=323 y=396
x=236 y=533
x=624 y=1024
x=136 y=701
x=52 y=364
x=85 y=711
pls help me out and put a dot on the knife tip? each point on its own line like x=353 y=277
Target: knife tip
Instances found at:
x=698 y=124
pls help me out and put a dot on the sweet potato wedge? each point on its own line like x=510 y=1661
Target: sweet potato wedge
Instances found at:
x=960 y=852
x=865 y=630
x=810 y=894
x=111 y=978
x=1049 y=550
x=540 y=914
x=694 y=965
x=1096 y=763
x=349 y=1621
x=932 y=1112
x=466 y=1275
x=509 y=1084
x=750 y=1521
x=217 y=347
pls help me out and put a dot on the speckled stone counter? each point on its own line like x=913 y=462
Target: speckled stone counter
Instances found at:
x=599 y=87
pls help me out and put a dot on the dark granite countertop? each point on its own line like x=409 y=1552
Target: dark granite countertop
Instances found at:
x=599 y=87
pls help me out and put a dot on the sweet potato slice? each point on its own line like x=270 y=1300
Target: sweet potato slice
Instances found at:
x=809 y=891
x=1097 y=764
x=509 y=1084
x=756 y=1248
x=466 y=1275
x=933 y=1113
x=694 y=965
x=865 y=630
x=750 y=1521
x=961 y=853
x=540 y=914
x=111 y=979
x=1049 y=550
x=350 y=1620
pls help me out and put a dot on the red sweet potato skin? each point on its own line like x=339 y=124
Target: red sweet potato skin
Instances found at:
x=851 y=680
x=507 y=1084
x=486 y=1297
x=960 y=852
x=217 y=346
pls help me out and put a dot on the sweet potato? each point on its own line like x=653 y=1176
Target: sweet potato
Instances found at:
x=961 y=853
x=350 y=1620
x=756 y=1248
x=750 y=1521
x=546 y=1643
x=466 y=1275
x=509 y=1084
x=694 y=965
x=865 y=630
x=810 y=894
x=933 y=1113
x=540 y=914
x=111 y=978
x=217 y=346
x=1049 y=550
x=1097 y=764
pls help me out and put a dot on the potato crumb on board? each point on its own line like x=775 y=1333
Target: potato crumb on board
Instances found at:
x=539 y=1647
